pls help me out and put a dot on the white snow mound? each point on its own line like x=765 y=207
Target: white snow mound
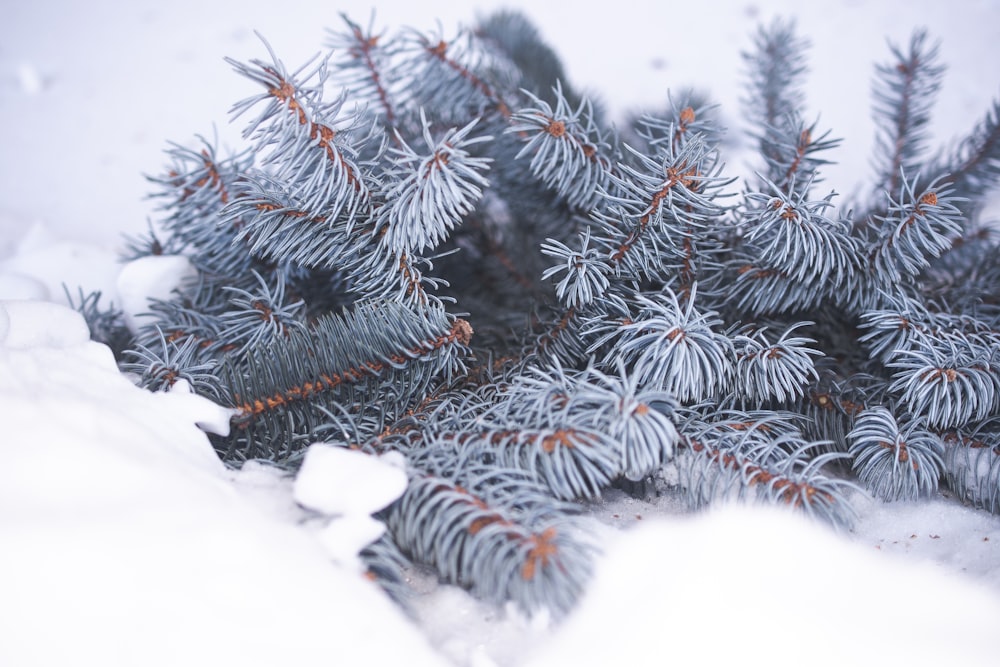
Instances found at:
x=339 y=481
x=750 y=586
x=151 y=277
x=126 y=544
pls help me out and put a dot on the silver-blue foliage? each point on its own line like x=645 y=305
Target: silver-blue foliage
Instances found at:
x=435 y=245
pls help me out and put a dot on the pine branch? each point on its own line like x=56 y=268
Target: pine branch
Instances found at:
x=363 y=65
x=681 y=122
x=450 y=71
x=672 y=346
x=630 y=426
x=904 y=92
x=658 y=204
x=276 y=224
x=106 y=323
x=308 y=145
x=776 y=71
x=195 y=190
x=162 y=366
x=778 y=370
x=895 y=459
x=905 y=324
x=432 y=193
x=802 y=254
x=972 y=463
x=195 y=314
x=948 y=386
x=775 y=100
x=638 y=419
x=569 y=153
x=468 y=520
x=340 y=359
x=570 y=461
x=757 y=347
x=916 y=228
x=777 y=472
x=260 y=318
x=586 y=278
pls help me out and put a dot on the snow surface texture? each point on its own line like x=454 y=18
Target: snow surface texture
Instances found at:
x=146 y=278
x=125 y=541
x=753 y=586
x=349 y=486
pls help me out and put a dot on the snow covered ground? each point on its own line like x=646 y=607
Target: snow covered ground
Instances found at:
x=124 y=541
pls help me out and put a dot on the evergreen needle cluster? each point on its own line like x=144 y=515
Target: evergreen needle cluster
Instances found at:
x=434 y=245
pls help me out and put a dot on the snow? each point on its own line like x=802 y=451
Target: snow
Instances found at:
x=753 y=586
x=16 y=286
x=334 y=480
x=126 y=541
x=31 y=323
x=153 y=277
x=44 y=265
x=348 y=486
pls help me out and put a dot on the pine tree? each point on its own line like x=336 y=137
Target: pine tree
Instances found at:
x=456 y=256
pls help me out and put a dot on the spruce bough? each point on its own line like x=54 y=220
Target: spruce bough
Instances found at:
x=437 y=246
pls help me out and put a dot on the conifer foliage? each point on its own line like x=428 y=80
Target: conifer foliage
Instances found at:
x=433 y=245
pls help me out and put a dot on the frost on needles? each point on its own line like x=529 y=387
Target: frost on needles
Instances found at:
x=432 y=244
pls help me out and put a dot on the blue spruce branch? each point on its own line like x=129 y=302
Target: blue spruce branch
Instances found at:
x=634 y=316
